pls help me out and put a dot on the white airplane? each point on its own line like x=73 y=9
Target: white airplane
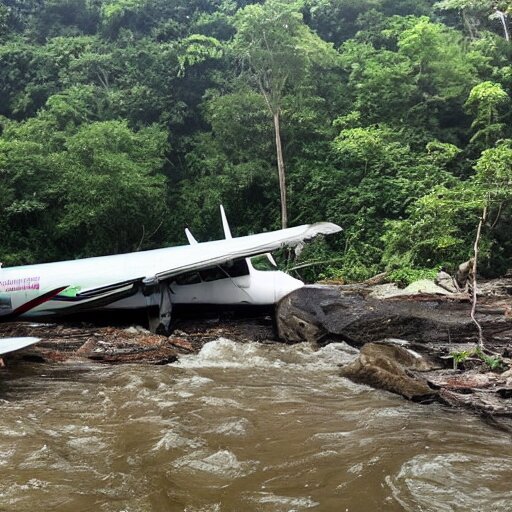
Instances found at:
x=218 y=272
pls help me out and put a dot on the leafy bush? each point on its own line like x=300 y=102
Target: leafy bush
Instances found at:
x=406 y=275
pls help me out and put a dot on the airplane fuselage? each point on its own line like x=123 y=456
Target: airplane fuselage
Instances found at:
x=66 y=287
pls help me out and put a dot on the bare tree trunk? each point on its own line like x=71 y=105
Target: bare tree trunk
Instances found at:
x=503 y=17
x=473 y=284
x=281 y=171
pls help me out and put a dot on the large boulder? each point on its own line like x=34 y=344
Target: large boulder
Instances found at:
x=385 y=367
x=353 y=314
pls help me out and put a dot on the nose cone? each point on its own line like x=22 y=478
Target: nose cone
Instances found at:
x=285 y=284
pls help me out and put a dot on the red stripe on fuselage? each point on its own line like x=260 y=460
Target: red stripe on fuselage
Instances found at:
x=31 y=304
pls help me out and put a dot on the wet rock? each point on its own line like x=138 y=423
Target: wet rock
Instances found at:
x=420 y=287
x=435 y=325
x=150 y=355
x=384 y=291
x=446 y=281
x=482 y=402
x=385 y=367
x=496 y=287
x=355 y=315
x=424 y=286
x=463 y=381
x=464 y=274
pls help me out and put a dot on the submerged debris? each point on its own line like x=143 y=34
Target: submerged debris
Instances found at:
x=133 y=344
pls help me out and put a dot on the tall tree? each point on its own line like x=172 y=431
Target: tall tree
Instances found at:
x=486 y=102
x=475 y=13
x=276 y=51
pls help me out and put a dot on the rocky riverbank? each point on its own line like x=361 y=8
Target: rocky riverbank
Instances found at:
x=419 y=342
x=66 y=342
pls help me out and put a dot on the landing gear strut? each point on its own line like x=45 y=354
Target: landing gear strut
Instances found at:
x=159 y=307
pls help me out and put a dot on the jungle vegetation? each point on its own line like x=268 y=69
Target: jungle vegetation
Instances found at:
x=123 y=121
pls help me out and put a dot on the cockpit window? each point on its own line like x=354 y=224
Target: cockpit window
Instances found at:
x=213 y=274
x=236 y=268
x=262 y=263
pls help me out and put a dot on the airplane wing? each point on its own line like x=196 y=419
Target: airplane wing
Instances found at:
x=204 y=255
x=210 y=254
x=12 y=344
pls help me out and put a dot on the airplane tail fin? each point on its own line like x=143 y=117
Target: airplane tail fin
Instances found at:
x=190 y=237
x=229 y=236
x=225 y=224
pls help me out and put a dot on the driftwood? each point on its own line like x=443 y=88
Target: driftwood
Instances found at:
x=117 y=345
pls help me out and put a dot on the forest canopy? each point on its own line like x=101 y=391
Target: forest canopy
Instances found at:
x=123 y=121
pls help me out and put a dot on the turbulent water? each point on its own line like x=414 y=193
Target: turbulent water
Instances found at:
x=239 y=427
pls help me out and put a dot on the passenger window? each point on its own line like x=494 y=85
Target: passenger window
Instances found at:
x=236 y=268
x=5 y=303
x=188 y=278
x=212 y=274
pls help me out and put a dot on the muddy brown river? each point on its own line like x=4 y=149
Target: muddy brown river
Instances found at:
x=238 y=427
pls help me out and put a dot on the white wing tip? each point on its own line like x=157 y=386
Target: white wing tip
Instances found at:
x=323 y=228
x=13 y=344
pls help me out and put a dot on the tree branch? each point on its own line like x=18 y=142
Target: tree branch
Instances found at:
x=474 y=281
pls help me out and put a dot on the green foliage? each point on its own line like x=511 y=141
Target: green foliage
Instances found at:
x=277 y=49
x=486 y=102
x=493 y=363
x=198 y=48
x=439 y=229
x=494 y=170
x=394 y=115
x=404 y=276
x=476 y=14
x=461 y=356
x=86 y=187
x=112 y=193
